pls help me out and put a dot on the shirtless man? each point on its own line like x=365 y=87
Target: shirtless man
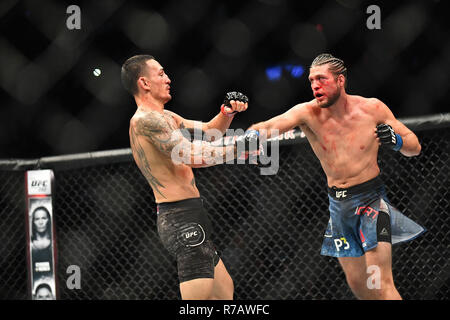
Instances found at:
x=155 y=136
x=345 y=132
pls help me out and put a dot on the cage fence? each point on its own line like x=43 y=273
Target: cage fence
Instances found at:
x=267 y=228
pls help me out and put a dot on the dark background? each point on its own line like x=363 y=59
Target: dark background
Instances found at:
x=51 y=103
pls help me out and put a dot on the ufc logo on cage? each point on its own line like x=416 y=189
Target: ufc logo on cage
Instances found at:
x=74 y=20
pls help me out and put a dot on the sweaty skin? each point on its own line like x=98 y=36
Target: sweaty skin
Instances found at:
x=150 y=136
x=341 y=129
x=345 y=145
x=166 y=158
x=154 y=135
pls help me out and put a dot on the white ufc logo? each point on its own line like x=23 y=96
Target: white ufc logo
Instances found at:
x=191 y=234
x=341 y=194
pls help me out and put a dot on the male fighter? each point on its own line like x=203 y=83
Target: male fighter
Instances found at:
x=345 y=132
x=166 y=157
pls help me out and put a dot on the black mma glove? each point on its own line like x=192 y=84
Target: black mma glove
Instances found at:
x=236 y=96
x=388 y=137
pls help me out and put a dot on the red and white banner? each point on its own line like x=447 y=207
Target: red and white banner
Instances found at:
x=41 y=245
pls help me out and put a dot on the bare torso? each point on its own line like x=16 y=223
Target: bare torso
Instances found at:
x=344 y=142
x=169 y=181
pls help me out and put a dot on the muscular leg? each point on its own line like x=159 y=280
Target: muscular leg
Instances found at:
x=381 y=257
x=219 y=288
x=355 y=270
x=197 y=289
x=223 y=284
x=355 y=274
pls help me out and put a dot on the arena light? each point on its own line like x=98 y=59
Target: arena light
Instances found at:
x=274 y=73
x=296 y=71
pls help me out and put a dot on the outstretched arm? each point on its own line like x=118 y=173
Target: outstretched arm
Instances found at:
x=295 y=116
x=407 y=142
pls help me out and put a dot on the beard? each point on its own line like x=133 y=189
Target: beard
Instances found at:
x=330 y=100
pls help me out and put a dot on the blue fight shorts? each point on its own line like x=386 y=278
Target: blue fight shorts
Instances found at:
x=360 y=217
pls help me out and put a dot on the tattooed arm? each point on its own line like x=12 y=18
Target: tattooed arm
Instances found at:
x=212 y=130
x=166 y=137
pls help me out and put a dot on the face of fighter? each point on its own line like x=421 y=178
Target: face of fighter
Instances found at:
x=40 y=221
x=44 y=294
x=325 y=86
x=158 y=81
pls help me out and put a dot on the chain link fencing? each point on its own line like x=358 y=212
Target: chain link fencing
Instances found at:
x=268 y=229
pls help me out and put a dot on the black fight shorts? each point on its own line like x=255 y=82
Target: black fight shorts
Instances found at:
x=184 y=229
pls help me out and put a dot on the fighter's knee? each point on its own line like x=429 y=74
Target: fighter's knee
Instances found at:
x=385 y=290
x=388 y=291
x=357 y=283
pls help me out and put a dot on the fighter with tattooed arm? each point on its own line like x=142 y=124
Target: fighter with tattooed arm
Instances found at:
x=158 y=144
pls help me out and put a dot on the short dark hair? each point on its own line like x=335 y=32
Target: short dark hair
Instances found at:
x=42 y=286
x=337 y=65
x=132 y=70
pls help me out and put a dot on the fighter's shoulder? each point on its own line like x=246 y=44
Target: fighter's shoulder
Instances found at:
x=370 y=104
x=142 y=121
x=304 y=107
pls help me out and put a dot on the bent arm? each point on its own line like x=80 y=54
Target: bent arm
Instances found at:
x=171 y=142
x=217 y=126
x=411 y=146
x=213 y=129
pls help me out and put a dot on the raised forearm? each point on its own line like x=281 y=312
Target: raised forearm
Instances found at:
x=398 y=138
x=220 y=122
x=411 y=146
x=234 y=102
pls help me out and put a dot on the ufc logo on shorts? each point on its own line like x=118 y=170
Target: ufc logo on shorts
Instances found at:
x=191 y=234
x=340 y=242
x=341 y=194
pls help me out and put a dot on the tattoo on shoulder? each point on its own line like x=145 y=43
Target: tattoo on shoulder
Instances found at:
x=161 y=131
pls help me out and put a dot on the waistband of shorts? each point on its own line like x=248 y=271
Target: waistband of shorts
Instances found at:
x=185 y=203
x=347 y=193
